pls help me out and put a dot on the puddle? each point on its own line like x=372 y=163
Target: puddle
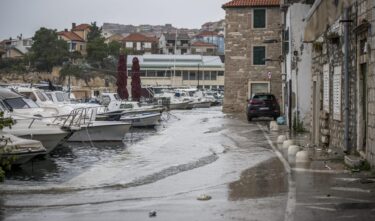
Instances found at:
x=265 y=180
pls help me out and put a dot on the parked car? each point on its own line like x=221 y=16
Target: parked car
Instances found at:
x=263 y=105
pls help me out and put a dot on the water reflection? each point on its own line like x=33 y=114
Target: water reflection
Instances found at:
x=265 y=180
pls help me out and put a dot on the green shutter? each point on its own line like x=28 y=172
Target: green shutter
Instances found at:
x=259 y=55
x=259 y=18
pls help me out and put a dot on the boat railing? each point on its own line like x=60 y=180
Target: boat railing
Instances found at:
x=82 y=116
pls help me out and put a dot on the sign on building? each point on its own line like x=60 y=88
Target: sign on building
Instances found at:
x=337 y=93
x=326 y=87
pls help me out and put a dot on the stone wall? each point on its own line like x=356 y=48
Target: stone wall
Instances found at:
x=97 y=81
x=239 y=71
x=370 y=145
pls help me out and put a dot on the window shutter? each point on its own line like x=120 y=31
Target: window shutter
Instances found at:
x=259 y=55
x=259 y=18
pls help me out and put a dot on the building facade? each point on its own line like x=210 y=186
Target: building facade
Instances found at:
x=16 y=48
x=175 y=43
x=211 y=37
x=137 y=43
x=252 y=51
x=297 y=67
x=180 y=70
x=203 y=48
x=343 y=99
x=76 y=38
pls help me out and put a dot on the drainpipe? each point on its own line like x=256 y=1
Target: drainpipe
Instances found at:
x=346 y=80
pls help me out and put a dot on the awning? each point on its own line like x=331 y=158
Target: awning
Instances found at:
x=323 y=14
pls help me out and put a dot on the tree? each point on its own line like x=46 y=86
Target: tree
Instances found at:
x=114 y=48
x=47 y=50
x=97 y=49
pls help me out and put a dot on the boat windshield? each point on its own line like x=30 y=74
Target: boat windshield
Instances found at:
x=40 y=96
x=49 y=96
x=31 y=103
x=17 y=103
x=59 y=97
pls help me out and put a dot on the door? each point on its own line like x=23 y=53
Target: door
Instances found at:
x=364 y=105
x=316 y=110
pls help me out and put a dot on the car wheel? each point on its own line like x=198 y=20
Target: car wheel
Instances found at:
x=249 y=118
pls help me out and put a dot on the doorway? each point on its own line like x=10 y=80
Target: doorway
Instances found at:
x=316 y=110
x=362 y=114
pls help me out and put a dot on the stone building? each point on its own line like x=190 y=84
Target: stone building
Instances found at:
x=296 y=66
x=252 y=51
x=343 y=79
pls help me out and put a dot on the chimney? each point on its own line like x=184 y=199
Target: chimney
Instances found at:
x=73 y=25
x=65 y=29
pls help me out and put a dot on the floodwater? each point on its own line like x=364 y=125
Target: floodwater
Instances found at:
x=165 y=170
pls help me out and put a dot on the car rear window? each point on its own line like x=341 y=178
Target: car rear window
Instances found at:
x=263 y=97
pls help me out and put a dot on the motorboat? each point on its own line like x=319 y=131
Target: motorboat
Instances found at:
x=82 y=117
x=141 y=119
x=31 y=122
x=18 y=150
x=114 y=104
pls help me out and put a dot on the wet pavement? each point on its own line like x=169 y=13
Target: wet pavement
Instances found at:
x=165 y=170
x=193 y=153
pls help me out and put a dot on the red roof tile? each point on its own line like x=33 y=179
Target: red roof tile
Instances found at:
x=81 y=27
x=202 y=44
x=251 y=3
x=136 y=37
x=70 y=35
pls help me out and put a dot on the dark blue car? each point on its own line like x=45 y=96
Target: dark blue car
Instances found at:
x=263 y=105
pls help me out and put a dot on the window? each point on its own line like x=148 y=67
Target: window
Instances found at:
x=160 y=73
x=259 y=87
x=178 y=73
x=138 y=46
x=129 y=45
x=213 y=75
x=259 y=18
x=147 y=45
x=220 y=73
x=259 y=55
x=200 y=75
x=185 y=75
x=207 y=75
x=151 y=74
x=193 y=76
x=286 y=41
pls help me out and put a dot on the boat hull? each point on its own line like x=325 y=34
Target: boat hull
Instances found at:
x=101 y=131
x=142 y=120
x=179 y=106
x=203 y=104
x=49 y=141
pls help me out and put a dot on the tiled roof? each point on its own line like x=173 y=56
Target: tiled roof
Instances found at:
x=81 y=27
x=137 y=37
x=202 y=44
x=251 y=3
x=70 y=35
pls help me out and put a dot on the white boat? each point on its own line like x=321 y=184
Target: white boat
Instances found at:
x=101 y=131
x=19 y=150
x=29 y=121
x=114 y=104
x=142 y=119
x=83 y=117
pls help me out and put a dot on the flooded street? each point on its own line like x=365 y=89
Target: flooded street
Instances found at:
x=193 y=152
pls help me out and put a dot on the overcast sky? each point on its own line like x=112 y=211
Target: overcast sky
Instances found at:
x=27 y=16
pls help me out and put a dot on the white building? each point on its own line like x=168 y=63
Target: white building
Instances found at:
x=297 y=66
x=180 y=70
